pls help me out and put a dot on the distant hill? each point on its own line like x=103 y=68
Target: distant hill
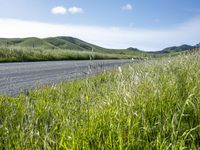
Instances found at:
x=75 y=44
x=134 y=49
x=177 y=48
x=60 y=42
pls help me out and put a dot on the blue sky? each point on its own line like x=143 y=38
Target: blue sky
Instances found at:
x=146 y=24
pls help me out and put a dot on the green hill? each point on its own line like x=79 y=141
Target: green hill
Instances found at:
x=82 y=44
x=68 y=48
x=10 y=42
x=36 y=43
x=57 y=48
x=68 y=43
x=63 y=44
x=184 y=47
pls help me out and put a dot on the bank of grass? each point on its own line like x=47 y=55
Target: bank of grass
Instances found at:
x=28 y=54
x=150 y=105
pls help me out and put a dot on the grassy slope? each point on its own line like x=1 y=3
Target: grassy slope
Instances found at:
x=59 y=48
x=35 y=43
x=63 y=44
x=152 y=105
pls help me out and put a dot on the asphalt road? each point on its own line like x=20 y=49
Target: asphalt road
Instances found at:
x=20 y=77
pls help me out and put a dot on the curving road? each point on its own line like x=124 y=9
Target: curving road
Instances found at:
x=20 y=77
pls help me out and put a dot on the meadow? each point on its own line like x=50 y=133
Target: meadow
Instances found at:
x=28 y=54
x=150 y=105
x=24 y=54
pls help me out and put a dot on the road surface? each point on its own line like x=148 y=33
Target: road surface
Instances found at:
x=20 y=77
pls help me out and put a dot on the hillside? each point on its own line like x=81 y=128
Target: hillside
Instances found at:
x=178 y=48
x=70 y=48
x=71 y=43
x=59 y=48
x=60 y=42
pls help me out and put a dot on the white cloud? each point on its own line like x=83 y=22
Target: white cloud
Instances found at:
x=59 y=10
x=62 y=10
x=75 y=10
x=111 y=37
x=127 y=7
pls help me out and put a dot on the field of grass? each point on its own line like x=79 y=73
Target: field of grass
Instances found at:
x=28 y=54
x=150 y=105
x=20 y=54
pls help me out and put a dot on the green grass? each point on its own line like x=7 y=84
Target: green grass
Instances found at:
x=28 y=54
x=20 y=54
x=150 y=105
x=35 y=43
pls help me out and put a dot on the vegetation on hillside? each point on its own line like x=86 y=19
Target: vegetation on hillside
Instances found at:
x=64 y=48
x=149 y=105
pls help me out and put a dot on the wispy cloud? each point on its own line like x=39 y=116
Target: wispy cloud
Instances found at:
x=75 y=10
x=59 y=10
x=127 y=7
x=111 y=37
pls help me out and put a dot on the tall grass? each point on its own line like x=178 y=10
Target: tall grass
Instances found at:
x=150 y=105
x=29 y=54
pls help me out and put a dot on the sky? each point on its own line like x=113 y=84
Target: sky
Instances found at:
x=149 y=25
